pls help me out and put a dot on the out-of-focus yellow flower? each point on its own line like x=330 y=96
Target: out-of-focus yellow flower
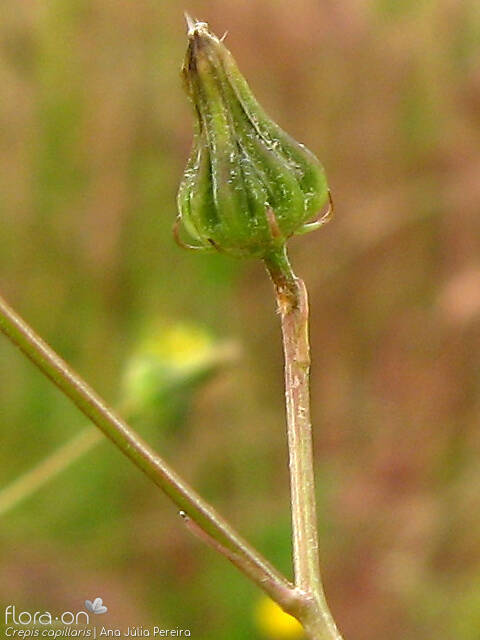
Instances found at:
x=182 y=349
x=168 y=364
x=274 y=623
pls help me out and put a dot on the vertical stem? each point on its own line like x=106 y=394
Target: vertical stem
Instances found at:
x=292 y=303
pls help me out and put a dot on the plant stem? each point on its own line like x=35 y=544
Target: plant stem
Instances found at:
x=33 y=479
x=215 y=530
x=292 y=304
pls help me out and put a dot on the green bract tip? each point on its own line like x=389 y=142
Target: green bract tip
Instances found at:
x=248 y=186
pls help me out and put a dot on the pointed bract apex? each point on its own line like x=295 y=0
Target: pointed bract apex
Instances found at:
x=194 y=25
x=248 y=186
x=190 y=23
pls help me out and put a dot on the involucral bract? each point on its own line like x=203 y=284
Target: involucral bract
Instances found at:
x=248 y=186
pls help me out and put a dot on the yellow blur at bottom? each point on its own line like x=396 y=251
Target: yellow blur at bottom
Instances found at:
x=274 y=623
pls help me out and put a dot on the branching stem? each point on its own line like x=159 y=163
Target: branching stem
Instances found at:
x=216 y=530
x=305 y=599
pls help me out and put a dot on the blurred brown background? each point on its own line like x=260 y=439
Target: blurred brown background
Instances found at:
x=94 y=134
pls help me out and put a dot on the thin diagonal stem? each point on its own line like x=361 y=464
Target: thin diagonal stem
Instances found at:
x=221 y=535
x=42 y=473
x=292 y=304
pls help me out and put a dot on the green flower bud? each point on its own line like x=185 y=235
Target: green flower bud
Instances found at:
x=168 y=364
x=248 y=186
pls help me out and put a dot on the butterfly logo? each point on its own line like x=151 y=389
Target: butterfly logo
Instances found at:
x=96 y=606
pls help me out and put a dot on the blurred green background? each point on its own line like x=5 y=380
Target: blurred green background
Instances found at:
x=94 y=133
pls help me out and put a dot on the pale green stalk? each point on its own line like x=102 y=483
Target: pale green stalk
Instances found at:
x=34 y=479
x=292 y=303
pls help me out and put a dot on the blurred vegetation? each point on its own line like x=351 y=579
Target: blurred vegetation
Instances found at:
x=94 y=133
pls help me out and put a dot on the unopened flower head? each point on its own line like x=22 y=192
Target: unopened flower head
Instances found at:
x=248 y=186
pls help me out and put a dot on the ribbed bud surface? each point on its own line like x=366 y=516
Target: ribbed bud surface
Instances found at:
x=248 y=186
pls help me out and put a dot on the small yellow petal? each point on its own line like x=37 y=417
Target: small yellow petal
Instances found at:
x=274 y=623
